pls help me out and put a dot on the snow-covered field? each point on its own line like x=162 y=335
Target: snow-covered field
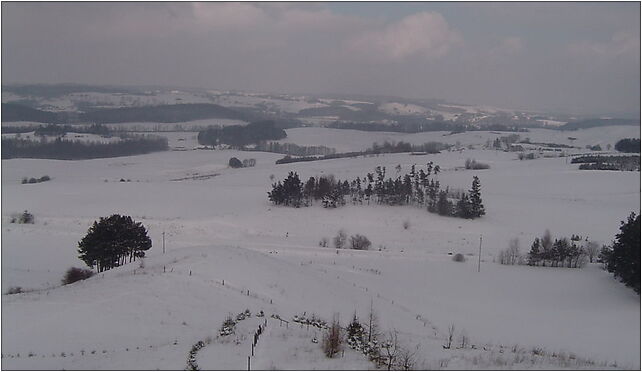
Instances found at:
x=223 y=239
x=291 y=104
x=402 y=108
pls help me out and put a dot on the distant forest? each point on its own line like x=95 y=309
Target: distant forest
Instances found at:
x=385 y=148
x=239 y=135
x=410 y=126
x=76 y=150
x=159 y=114
x=600 y=162
x=591 y=123
x=418 y=125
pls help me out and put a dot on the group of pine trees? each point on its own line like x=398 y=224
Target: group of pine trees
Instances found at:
x=112 y=241
x=415 y=188
x=557 y=253
x=61 y=130
x=293 y=149
x=631 y=145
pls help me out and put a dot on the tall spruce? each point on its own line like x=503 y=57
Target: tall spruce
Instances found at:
x=476 y=205
x=534 y=255
x=624 y=258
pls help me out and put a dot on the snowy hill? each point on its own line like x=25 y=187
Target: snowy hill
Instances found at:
x=223 y=239
x=67 y=103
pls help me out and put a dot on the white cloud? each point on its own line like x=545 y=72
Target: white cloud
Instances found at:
x=621 y=43
x=509 y=46
x=228 y=15
x=426 y=34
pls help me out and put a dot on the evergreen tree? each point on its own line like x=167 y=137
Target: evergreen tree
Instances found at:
x=561 y=249
x=476 y=206
x=547 y=247
x=368 y=193
x=464 y=207
x=111 y=241
x=407 y=188
x=624 y=258
x=324 y=187
x=308 y=189
x=444 y=206
x=293 y=190
x=534 y=254
x=355 y=333
x=277 y=195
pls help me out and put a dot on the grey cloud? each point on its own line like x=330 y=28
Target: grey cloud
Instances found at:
x=536 y=56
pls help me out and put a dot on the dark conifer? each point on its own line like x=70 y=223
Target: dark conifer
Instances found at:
x=476 y=205
x=624 y=258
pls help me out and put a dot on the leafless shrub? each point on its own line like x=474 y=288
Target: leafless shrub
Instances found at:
x=451 y=334
x=464 y=340
x=340 y=240
x=14 y=290
x=407 y=359
x=459 y=257
x=406 y=224
x=473 y=164
x=323 y=242
x=391 y=349
x=74 y=274
x=511 y=255
x=360 y=242
x=332 y=340
x=592 y=250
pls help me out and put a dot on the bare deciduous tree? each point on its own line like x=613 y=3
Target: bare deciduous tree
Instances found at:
x=592 y=250
x=341 y=239
x=332 y=341
x=391 y=348
x=360 y=242
x=463 y=337
x=407 y=359
x=451 y=334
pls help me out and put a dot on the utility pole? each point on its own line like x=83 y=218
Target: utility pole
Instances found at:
x=479 y=262
x=163 y=242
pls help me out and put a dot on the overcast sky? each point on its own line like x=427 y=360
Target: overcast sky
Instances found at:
x=563 y=57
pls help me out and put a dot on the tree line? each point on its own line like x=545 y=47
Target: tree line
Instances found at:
x=170 y=113
x=61 y=130
x=238 y=135
x=407 y=125
x=601 y=162
x=292 y=149
x=416 y=188
x=74 y=150
x=376 y=149
x=563 y=252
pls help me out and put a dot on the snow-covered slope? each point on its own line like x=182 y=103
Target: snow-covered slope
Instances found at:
x=220 y=227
